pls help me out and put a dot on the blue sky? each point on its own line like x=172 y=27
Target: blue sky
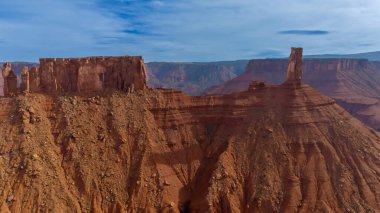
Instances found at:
x=186 y=30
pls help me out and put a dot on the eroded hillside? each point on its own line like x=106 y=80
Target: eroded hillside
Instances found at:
x=160 y=150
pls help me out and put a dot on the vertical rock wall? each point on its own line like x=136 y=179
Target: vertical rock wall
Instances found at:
x=11 y=80
x=34 y=79
x=92 y=74
x=79 y=75
x=24 y=87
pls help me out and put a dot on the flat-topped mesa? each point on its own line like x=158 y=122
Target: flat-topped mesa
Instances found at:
x=92 y=74
x=294 y=73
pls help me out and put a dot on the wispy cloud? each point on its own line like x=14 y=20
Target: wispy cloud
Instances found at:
x=186 y=30
x=365 y=45
x=270 y=54
x=304 y=32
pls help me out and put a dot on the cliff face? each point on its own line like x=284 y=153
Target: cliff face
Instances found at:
x=192 y=78
x=77 y=75
x=353 y=83
x=92 y=74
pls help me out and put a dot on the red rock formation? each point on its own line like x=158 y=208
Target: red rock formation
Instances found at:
x=1 y=85
x=17 y=69
x=294 y=73
x=24 y=86
x=34 y=79
x=255 y=85
x=92 y=74
x=5 y=72
x=10 y=80
x=353 y=83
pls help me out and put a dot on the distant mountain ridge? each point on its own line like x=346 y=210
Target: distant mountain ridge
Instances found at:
x=193 y=77
x=372 y=56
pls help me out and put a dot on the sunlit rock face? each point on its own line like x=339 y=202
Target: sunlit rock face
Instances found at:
x=92 y=74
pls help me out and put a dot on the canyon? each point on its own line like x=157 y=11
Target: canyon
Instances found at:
x=192 y=78
x=270 y=148
x=353 y=83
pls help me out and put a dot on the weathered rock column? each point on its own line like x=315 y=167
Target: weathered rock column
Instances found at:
x=24 y=87
x=34 y=79
x=294 y=74
x=5 y=72
x=11 y=80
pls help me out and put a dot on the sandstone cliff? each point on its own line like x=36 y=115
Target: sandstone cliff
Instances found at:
x=78 y=75
x=279 y=148
x=353 y=83
x=92 y=74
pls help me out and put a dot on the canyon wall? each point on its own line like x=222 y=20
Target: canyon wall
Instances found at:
x=353 y=83
x=318 y=73
x=193 y=77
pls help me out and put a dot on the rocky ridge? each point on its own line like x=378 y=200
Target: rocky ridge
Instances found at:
x=81 y=75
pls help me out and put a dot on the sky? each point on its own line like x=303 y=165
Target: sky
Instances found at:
x=186 y=30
